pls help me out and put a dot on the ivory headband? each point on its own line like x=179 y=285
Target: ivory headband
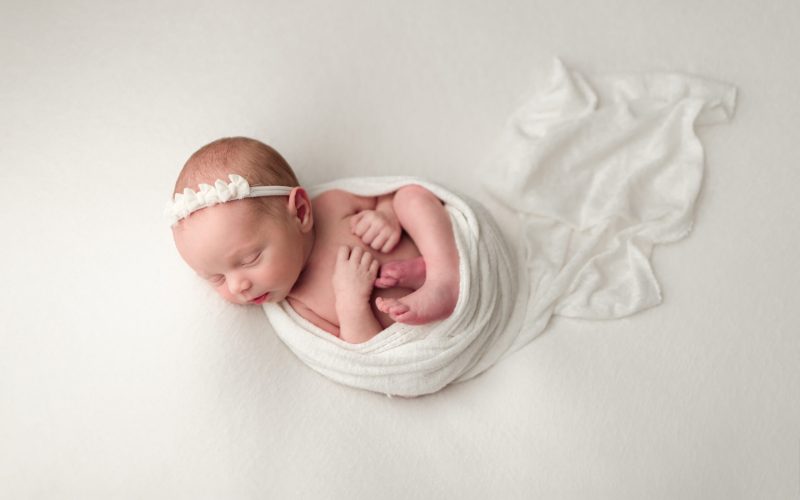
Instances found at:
x=190 y=201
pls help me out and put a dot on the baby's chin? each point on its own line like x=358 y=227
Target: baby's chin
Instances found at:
x=238 y=302
x=233 y=300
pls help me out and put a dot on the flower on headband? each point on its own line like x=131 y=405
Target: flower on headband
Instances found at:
x=190 y=201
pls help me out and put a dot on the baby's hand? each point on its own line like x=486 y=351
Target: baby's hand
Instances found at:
x=353 y=277
x=380 y=230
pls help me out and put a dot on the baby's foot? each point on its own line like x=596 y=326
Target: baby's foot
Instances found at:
x=409 y=273
x=433 y=301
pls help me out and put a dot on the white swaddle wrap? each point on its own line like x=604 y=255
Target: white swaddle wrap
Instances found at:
x=410 y=360
x=597 y=174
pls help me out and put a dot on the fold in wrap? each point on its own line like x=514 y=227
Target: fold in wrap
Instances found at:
x=597 y=174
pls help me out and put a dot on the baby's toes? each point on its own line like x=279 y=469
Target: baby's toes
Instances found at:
x=383 y=304
x=398 y=309
x=386 y=282
x=402 y=317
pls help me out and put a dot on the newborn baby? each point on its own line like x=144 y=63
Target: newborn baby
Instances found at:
x=351 y=265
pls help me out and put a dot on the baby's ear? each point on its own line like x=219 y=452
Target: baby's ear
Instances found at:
x=300 y=206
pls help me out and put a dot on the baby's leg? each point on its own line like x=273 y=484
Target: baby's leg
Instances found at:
x=426 y=221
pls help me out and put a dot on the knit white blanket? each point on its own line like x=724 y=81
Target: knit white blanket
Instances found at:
x=598 y=173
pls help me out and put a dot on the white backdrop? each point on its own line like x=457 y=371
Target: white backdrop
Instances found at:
x=121 y=377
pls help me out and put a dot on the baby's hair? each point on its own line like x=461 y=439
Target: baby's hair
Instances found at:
x=258 y=163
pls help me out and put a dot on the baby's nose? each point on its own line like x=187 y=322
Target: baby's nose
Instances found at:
x=239 y=285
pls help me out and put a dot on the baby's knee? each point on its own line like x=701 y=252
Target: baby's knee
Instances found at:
x=414 y=193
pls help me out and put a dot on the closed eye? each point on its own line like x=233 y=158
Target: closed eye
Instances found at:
x=253 y=260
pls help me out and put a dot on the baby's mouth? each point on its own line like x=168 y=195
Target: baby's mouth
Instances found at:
x=260 y=299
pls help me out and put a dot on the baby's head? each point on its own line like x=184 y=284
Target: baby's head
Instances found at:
x=251 y=247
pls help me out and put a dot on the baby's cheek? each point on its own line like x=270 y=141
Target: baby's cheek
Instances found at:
x=223 y=291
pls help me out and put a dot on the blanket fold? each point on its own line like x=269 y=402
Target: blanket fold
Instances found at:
x=598 y=172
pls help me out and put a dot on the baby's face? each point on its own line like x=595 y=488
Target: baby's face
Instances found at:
x=249 y=258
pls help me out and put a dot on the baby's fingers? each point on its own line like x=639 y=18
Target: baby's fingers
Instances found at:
x=379 y=240
x=392 y=241
x=361 y=223
x=343 y=254
x=354 y=220
x=365 y=259
x=356 y=254
x=370 y=235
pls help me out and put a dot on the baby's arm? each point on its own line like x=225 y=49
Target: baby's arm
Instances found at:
x=353 y=279
x=378 y=228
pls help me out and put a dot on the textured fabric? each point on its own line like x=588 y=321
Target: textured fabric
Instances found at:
x=600 y=170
